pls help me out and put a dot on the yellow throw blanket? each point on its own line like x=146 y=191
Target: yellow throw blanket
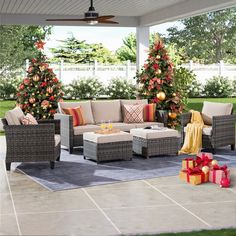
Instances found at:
x=193 y=135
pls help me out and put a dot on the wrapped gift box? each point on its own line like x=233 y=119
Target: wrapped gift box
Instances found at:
x=194 y=176
x=188 y=163
x=217 y=173
x=204 y=159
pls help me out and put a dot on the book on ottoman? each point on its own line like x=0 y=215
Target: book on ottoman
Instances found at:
x=218 y=173
x=194 y=176
x=188 y=163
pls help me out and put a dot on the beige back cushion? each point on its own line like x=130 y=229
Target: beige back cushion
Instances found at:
x=14 y=116
x=134 y=102
x=211 y=109
x=85 y=107
x=106 y=110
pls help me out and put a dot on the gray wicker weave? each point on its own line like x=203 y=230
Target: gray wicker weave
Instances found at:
x=223 y=131
x=155 y=147
x=108 y=151
x=32 y=143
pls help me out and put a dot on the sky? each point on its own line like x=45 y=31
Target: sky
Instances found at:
x=110 y=37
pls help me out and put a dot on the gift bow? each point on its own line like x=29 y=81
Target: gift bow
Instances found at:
x=191 y=171
x=204 y=160
x=223 y=168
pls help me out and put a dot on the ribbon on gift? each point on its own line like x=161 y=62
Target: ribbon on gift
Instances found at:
x=187 y=161
x=204 y=160
x=194 y=171
x=217 y=167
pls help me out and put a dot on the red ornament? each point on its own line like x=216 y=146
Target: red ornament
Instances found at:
x=32 y=100
x=52 y=111
x=43 y=84
x=21 y=87
x=155 y=66
x=225 y=183
x=39 y=44
x=26 y=81
x=45 y=104
x=55 y=80
x=49 y=90
x=34 y=60
x=51 y=98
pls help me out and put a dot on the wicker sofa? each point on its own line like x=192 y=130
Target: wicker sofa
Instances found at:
x=221 y=125
x=31 y=143
x=94 y=113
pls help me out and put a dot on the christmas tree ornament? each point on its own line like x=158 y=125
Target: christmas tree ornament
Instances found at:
x=44 y=117
x=214 y=162
x=49 y=89
x=171 y=85
x=161 y=96
x=36 y=78
x=174 y=94
x=225 y=183
x=32 y=100
x=205 y=169
x=172 y=115
x=21 y=87
x=34 y=105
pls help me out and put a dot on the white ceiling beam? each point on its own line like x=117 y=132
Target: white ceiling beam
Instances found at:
x=34 y=19
x=183 y=10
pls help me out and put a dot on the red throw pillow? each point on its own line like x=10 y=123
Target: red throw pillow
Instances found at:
x=77 y=114
x=149 y=112
x=133 y=113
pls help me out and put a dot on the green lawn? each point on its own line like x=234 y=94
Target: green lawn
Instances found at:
x=194 y=103
x=222 y=232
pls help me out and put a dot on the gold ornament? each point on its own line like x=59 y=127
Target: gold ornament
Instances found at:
x=161 y=96
x=174 y=94
x=171 y=85
x=32 y=100
x=158 y=57
x=172 y=115
x=205 y=169
x=32 y=113
x=34 y=105
x=33 y=94
x=47 y=94
x=49 y=89
x=36 y=78
x=44 y=117
x=50 y=105
x=158 y=72
x=214 y=162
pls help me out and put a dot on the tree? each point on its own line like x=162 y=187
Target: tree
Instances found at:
x=207 y=38
x=40 y=92
x=17 y=45
x=76 y=51
x=156 y=83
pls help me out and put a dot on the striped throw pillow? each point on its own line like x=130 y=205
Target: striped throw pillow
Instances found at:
x=77 y=114
x=149 y=112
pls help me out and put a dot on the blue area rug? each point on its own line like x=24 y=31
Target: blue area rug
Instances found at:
x=75 y=172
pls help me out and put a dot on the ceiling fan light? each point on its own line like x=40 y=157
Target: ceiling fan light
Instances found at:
x=92 y=22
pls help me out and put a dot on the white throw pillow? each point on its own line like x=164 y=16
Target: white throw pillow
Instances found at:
x=14 y=116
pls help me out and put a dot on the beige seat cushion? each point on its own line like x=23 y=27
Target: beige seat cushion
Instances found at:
x=78 y=130
x=85 y=107
x=211 y=109
x=106 y=110
x=57 y=138
x=145 y=124
x=14 y=116
x=123 y=126
x=154 y=134
x=205 y=131
x=107 y=138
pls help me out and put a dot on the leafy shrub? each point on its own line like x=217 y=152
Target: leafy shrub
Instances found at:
x=121 y=88
x=195 y=89
x=218 y=86
x=8 y=87
x=183 y=79
x=86 y=88
x=234 y=87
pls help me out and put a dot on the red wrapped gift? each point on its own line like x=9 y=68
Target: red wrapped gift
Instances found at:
x=218 y=173
x=188 y=163
x=194 y=176
x=204 y=159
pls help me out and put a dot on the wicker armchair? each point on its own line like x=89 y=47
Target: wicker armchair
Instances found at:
x=33 y=143
x=222 y=131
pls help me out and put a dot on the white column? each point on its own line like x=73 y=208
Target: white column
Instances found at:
x=142 y=35
x=95 y=68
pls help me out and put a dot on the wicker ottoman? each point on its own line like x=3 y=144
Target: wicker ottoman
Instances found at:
x=149 y=142
x=107 y=147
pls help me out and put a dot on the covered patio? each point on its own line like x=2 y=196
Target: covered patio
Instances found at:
x=146 y=206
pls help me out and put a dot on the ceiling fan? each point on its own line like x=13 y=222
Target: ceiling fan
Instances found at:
x=91 y=17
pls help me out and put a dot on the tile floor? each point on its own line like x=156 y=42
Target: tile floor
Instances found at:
x=147 y=206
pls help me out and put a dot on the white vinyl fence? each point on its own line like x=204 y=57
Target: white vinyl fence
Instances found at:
x=69 y=72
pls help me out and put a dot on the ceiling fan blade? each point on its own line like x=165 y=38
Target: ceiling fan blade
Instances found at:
x=66 y=19
x=107 y=22
x=106 y=17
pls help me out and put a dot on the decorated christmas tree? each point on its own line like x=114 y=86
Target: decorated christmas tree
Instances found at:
x=156 y=82
x=40 y=92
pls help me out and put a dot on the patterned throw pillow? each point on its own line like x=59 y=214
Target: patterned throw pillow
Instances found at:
x=28 y=119
x=133 y=113
x=77 y=114
x=149 y=112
